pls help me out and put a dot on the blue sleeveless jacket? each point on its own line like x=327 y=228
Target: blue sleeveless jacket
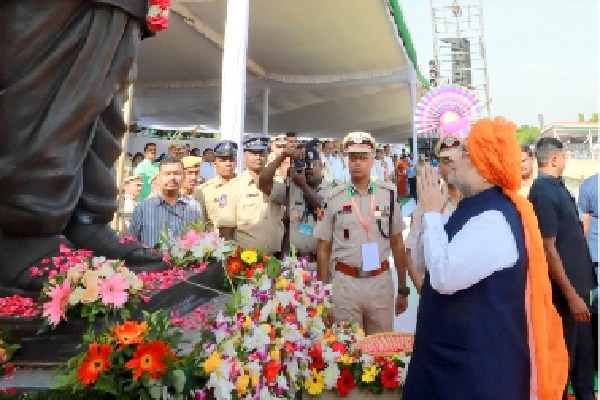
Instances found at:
x=473 y=344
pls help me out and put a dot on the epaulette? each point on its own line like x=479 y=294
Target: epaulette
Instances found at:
x=202 y=186
x=385 y=185
x=337 y=190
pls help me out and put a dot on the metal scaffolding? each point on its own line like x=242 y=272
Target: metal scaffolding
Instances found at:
x=459 y=47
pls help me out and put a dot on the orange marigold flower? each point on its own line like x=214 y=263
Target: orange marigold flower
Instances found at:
x=130 y=332
x=95 y=362
x=149 y=357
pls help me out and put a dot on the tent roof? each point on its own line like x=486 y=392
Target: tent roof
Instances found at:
x=330 y=66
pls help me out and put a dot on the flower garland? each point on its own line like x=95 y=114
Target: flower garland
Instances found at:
x=158 y=15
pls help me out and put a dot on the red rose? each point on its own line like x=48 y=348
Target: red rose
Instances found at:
x=271 y=370
x=345 y=382
x=389 y=378
x=316 y=356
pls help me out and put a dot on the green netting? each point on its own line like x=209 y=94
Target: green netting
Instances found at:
x=407 y=40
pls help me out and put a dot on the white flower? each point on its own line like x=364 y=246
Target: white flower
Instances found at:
x=331 y=375
x=222 y=387
x=285 y=297
x=330 y=356
x=367 y=360
x=254 y=368
x=293 y=370
x=228 y=349
x=282 y=382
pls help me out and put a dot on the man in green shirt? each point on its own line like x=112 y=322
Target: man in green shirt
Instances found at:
x=146 y=169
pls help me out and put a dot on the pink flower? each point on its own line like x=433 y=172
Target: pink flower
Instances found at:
x=113 y=290
x=166 y=257
x=64 y=249
x=55 y=308
x=189 y=239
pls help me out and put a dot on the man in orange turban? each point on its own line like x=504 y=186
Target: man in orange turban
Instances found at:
x=486 y=328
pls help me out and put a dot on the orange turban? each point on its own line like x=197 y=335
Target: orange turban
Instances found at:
x=495 y=152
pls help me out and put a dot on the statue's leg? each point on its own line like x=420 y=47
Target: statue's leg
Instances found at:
x=62 y=63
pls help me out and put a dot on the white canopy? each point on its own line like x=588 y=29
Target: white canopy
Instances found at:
x=330 y=67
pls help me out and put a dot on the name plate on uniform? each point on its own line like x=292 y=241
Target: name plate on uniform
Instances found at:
x=370 y=256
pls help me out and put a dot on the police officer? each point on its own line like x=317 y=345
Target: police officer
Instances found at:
x=211 y=194
x=191 y=171
x=249 y=216
x=305 y=191
x=358 y=226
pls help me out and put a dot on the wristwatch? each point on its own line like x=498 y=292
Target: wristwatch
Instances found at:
x=403 y=291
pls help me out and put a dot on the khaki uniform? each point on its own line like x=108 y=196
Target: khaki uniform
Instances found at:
x=300 y=236
x=366 y=300
x=210 y=196
x=256 y=216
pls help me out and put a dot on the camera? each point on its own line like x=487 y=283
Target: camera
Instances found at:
x=299 y=165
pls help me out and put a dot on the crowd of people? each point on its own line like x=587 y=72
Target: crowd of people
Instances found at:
x=487 y=238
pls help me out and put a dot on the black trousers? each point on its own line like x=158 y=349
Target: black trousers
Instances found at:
x=580 y=345
x=412 y=187
x=63 y=65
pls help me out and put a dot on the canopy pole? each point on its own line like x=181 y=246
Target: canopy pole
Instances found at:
x=233 y=73
x=266 y=111
x=117 y=222
x=413 y=107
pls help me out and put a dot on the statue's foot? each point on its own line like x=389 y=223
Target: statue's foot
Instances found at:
x=18 y=256
x=104 y=241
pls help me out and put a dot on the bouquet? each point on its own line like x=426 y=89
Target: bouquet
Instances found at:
x=158 y=15
x=195 y=248
x=257 y=349
x=335 y=363
x=84 y=286
x=244 y=263
x=132 y=360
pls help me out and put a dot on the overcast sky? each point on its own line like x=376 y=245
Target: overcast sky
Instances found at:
x=542 y=55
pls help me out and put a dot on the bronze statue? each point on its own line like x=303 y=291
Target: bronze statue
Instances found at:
x=65 y=65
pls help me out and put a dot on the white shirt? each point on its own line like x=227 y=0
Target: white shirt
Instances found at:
x=377 y=171
x=390 y=165
x=484 y=245
x=207 y=170
x=337 y=168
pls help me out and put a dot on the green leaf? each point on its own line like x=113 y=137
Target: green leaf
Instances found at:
x=178 y=380
x=273 y=268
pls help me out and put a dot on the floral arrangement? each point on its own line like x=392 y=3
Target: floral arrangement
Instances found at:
x=132 y=360
x=244 y=263
x=335 y=363
x=85 y=286
x=258 y=349
x=158 y=15
x=195 y=248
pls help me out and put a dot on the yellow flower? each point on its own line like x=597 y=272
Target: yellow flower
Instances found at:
x=281 y=283
x=242 y=384
x=346 y=358
x=254 y=380
x=266 y=328
x=319 y=310
x=212 y=362
x=275 y=354
x=360 y=332
x=369 y=374
x=249 y=256
x=247 y=322
x=314 y=384
x=2 y=352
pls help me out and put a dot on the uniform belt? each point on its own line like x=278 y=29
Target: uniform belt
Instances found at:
x=309 y=257
x=359 y=273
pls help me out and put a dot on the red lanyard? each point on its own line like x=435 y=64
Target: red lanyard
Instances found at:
x=365 y=224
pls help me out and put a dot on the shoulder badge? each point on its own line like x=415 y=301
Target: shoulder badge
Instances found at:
x=385 y=185
x=337 y=190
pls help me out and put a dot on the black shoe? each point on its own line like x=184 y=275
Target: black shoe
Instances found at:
x=18 y=256
x=102 y=240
